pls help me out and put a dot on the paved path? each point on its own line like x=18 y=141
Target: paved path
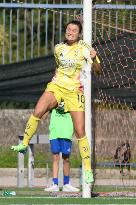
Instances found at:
x=8 y=178
x=11 y=181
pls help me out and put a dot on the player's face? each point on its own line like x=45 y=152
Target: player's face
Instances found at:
x=72 y=33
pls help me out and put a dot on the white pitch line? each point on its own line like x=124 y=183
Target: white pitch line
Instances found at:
x=44 y=197
x=64 y=204
x=27 y=197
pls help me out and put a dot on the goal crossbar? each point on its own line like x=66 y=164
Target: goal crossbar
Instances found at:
x=65 y=6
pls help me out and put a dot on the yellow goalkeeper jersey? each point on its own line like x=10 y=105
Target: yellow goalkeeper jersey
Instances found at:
x=70 y=62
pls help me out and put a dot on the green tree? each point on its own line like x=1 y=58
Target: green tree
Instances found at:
x=3 y=40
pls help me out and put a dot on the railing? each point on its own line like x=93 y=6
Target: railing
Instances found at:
x=29 y=30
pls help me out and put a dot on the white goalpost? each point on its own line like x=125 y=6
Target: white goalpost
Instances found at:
x=87 y=37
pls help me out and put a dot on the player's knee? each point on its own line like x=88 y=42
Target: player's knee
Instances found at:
x=38 y=114
x=80 y=131
x=66 y=160
x=80 y=134
x=56 y=157
x=65 y=156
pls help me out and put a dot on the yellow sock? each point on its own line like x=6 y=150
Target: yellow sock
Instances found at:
x=84 y=149
x=31 y=128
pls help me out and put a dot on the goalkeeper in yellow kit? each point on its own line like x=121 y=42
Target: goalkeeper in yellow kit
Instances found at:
x=67 y=86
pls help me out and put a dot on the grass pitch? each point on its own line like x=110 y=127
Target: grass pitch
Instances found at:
x=36 y=196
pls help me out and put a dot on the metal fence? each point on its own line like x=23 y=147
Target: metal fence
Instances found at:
x=31 y=28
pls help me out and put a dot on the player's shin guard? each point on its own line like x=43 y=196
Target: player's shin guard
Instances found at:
x=31 y=128
x=84 y=149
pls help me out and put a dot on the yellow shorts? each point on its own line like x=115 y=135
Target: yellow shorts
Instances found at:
x=73 y=100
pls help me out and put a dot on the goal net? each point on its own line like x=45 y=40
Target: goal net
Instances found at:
x=114 y=116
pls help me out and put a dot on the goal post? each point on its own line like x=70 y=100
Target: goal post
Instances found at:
x=87 y=37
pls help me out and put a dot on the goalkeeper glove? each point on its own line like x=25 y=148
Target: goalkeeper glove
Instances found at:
x=19 y=148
